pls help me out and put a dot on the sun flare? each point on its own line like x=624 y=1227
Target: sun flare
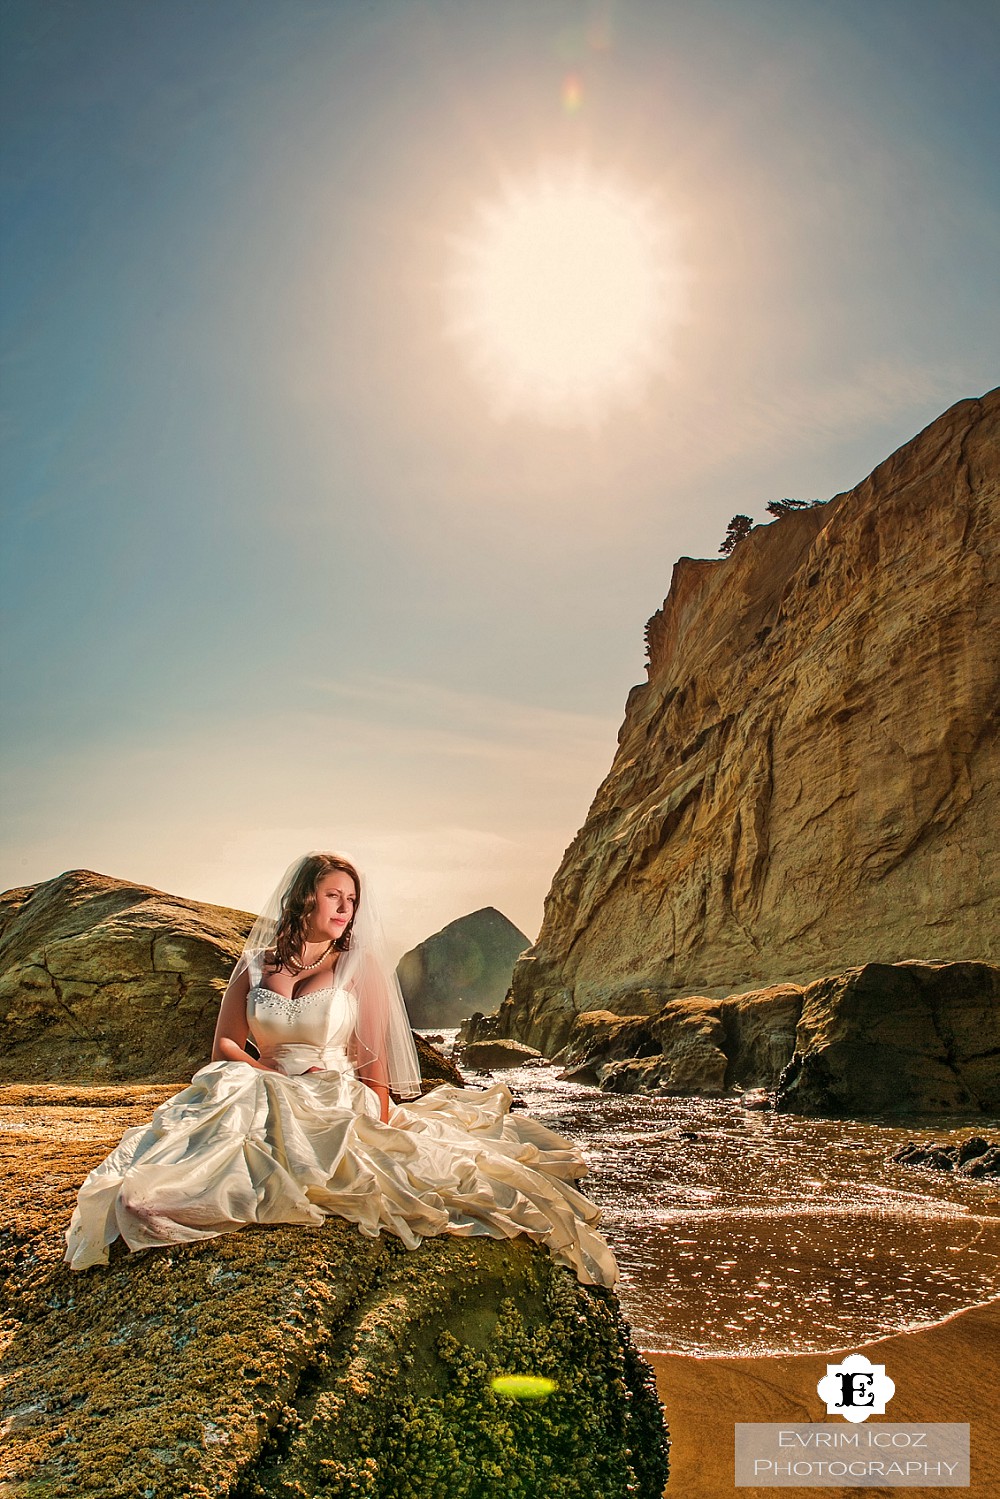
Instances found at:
x=562 y=296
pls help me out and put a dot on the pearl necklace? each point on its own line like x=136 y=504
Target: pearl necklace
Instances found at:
x=308 y=967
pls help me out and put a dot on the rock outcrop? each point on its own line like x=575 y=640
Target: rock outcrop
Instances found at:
x=102 y=980
x=285 y=1361
x=882 y=1038
x=809 y=779
x=435 y=1067
x=466 y=966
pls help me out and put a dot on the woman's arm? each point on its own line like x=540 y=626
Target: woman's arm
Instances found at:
x=231 y=1027
x=374 y=1076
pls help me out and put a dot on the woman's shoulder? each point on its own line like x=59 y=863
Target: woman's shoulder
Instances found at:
x=269 y=966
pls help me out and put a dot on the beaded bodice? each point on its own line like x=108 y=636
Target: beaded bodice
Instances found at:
x=313 y=1028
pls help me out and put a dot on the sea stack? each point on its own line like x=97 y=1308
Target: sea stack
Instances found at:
x=463 y=968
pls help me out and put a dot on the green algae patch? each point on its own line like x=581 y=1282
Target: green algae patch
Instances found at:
x=166 y=1371
x=522 y=1386
x=300 y=1361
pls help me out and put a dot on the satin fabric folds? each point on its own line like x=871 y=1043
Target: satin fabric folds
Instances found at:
x=241 y=1146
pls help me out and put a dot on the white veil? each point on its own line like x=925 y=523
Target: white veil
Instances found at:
x=383 y=1041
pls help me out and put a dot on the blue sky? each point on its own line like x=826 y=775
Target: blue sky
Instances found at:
x=277 y=574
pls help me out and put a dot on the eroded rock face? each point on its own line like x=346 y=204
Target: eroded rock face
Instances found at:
x=284 y=1361
x=103 y=979
x=464 y=967
x=809 y=779
x=694 y=1046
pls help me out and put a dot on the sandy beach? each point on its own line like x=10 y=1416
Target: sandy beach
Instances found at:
x=947 y=1372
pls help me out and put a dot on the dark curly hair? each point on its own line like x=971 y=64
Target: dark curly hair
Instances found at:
x=300 y=901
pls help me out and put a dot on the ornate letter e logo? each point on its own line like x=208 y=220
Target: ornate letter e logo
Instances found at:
x=855 y=1389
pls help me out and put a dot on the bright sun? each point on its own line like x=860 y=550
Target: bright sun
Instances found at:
x=563 y=295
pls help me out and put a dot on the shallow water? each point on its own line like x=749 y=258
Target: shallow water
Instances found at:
x=769 y=1233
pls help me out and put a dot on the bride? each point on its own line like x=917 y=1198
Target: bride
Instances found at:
x=307 y=1127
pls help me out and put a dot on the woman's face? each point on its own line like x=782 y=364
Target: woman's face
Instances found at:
x=336 y=898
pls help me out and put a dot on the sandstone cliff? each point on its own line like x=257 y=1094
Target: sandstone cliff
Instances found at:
x=808 y=780
x=464 y=967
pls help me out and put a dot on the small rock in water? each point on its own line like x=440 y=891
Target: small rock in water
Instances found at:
x=500 y=1053
x=976 y=1156
x=757 y=1098
x=987 y=1164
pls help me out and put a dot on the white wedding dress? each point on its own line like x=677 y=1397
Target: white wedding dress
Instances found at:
x=240 y=1145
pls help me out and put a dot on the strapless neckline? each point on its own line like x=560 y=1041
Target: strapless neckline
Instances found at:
x=298 y=998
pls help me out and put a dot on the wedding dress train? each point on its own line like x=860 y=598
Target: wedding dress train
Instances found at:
x=240 y=1146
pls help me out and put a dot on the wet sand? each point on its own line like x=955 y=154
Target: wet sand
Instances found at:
x=948 y=1372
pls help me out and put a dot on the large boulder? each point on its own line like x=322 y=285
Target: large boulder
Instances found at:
x=103 y=979
x=903 y=1036
x=464 y=967
x=809 y=780
x=288 y=1361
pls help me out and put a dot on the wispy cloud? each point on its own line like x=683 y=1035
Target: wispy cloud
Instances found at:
x=458 y=724
x=874 y=394
x=808 y=418
x=455 y=799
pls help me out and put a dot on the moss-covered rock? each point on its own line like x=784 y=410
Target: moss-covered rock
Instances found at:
x=301 y=1361
x=407 y=1410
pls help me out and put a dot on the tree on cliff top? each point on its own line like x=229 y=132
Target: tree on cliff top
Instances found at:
x=739 y=526
x=785 y=507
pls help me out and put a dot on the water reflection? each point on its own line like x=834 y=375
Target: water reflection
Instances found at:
x=746 y=1232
